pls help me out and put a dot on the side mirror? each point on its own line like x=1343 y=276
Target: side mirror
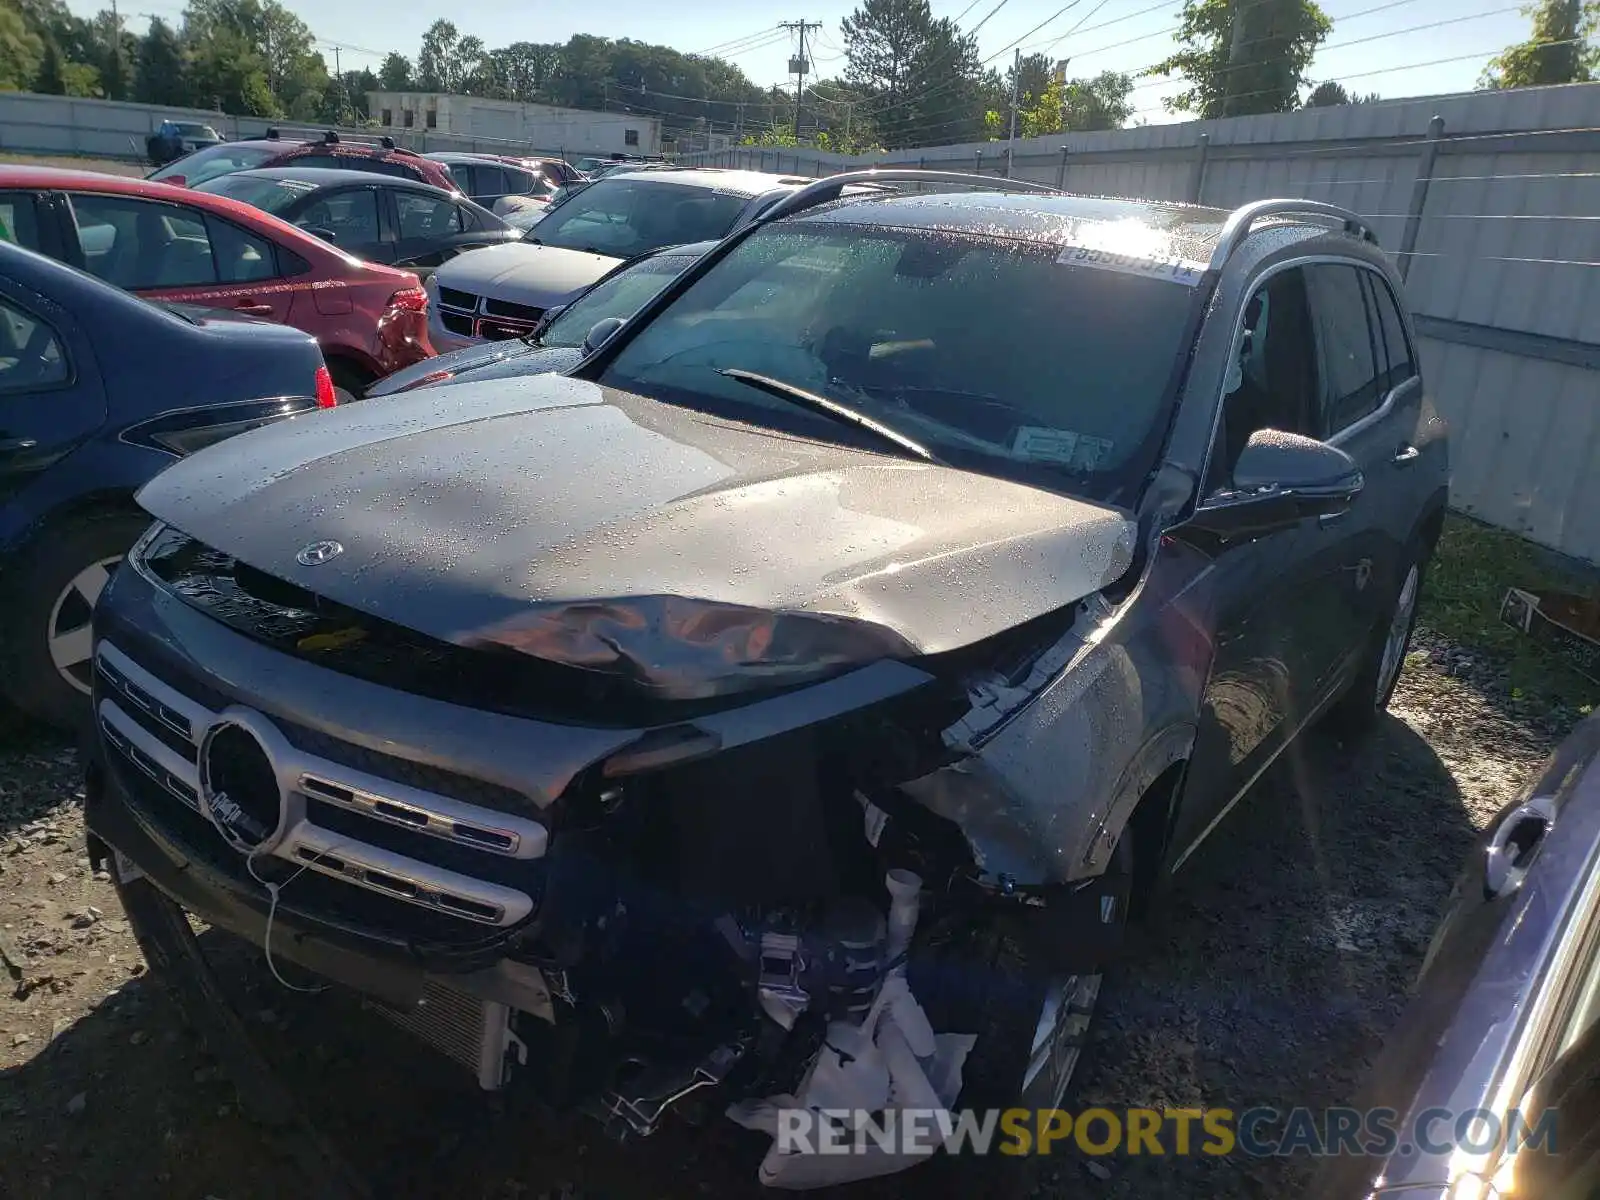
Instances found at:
x=175 y=180
x=323 y=232
x=600 y=333
x=1280 y=479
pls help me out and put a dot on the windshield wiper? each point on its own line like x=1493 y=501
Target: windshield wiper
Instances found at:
x=828 y=408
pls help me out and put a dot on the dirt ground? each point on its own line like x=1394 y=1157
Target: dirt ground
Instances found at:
x=1269 y=976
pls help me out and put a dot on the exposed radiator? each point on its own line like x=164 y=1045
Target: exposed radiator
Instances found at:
x=473 y=1032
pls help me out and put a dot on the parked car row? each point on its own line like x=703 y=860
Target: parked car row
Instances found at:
x=793 y=634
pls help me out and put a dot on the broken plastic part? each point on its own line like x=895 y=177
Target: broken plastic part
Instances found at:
x=680 y=648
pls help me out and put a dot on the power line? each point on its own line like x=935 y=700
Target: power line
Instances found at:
x=735 y=45
x=1377 y=37
x=1143 y=12
x=1074 y=29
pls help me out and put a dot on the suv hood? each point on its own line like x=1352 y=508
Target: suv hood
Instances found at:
x=524 y=273
x=606 y=531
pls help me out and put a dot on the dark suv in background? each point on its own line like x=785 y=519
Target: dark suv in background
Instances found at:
x=795 y=698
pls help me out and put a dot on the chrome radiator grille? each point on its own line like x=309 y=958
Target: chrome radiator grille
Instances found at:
x=405 y=843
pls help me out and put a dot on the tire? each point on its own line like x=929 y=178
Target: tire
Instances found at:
x=48 y=603
x=178 y=963
x=981 y=981
x=1367 y=697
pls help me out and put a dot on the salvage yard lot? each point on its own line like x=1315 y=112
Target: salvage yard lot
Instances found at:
x=1268 y=977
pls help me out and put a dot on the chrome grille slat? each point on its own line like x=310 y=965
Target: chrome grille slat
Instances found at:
x=361 y=864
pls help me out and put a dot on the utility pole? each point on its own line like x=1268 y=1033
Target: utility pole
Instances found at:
x=1016 y=94
x=799 y=66
x=338 y=71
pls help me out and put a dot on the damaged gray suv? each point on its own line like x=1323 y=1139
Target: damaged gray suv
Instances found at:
x=788 y=706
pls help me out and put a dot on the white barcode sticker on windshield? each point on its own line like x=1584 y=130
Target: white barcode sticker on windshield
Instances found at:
x=1042 y=444
x=1039 y=443
x=1152 y=266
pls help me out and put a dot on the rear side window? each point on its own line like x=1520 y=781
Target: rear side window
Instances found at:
x=491 y=181
x=426 y=216
x=1351 y=388
x=241 y=257
x=31 y=356
x=139 y=244
x=1394 y=347
x=19 y=221
x=352 y=216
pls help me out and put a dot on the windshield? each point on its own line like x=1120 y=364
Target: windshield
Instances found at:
x=196 y=131
x=269 y=195
x=627 y=216
x=994 y=354
x=213 y=161
x=620 y=295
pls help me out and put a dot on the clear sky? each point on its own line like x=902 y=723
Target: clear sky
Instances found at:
x=1376 y=45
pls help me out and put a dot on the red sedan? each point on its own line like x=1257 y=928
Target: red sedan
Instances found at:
x=170 y=243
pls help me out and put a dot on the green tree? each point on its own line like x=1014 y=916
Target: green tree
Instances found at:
x=1243 y=56
x=1331 y=93
x=356 y=86
x=1561 y=50
x=161 y=73
x=51 y=77
x=525 y=69
x=1098 y=103
x=1029 y=79
x=80 y=79
x=922 y=77
x=438 y=62
x=395 y=73
x=227 y=72
x=116 y=72
x=21 y=49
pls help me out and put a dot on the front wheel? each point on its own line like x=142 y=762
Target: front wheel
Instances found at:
x=49 y=605
x=1367 y=698
x=1031 y=1021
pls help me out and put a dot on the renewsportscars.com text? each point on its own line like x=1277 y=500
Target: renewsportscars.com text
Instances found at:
x=1258 y=1132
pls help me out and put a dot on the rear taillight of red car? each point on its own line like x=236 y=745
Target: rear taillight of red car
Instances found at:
x=409 y=300
x=325 y=393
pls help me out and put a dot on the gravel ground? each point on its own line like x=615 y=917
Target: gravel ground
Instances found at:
x=1268 y=976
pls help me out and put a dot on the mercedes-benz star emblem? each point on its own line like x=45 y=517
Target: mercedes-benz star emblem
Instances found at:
x=318 y=552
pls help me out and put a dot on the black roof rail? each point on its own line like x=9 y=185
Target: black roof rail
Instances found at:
x=831 y=187
x=1237 y=227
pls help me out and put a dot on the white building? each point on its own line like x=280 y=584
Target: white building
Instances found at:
x=543 y=127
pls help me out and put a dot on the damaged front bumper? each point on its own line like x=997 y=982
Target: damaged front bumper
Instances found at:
x=626 y=916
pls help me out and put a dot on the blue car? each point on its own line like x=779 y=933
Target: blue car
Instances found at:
x=564 y=337
x=1489 y=1086
x=98 y=392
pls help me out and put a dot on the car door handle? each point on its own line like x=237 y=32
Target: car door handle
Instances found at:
x=251 y=309
x=1332 y=518
x=1513 y=845
x=17 y=444
x=1406 y=455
